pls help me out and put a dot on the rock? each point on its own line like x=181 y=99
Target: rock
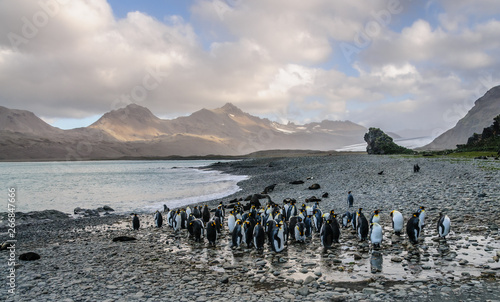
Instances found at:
x=303 y=291
x=314 y=187
x=77 y=210
x=123 y=238
x=396 y=259
x=29 y=256
x=308 y=280
x=224 y=279
x=296 y=182
x=357 y=256
x=108 y=209
x=381 y=143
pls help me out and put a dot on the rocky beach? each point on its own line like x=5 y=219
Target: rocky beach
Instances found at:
x=79 y=261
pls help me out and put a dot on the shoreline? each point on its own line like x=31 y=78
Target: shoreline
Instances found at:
x=171 y=266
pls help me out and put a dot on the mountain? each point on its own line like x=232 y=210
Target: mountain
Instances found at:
x=23 y=121
x=134 y=131
x=478 y=118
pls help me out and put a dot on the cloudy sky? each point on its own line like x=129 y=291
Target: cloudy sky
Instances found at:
x=395 y=64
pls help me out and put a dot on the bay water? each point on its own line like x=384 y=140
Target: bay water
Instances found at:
x=126 y=186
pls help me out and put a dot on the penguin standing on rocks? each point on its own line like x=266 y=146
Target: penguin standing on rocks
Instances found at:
x=177 y=221
x=376 y=235
x=158 y=219
x=188 y=211
x=269 y=228
x=236 y=235
x=300 y=231
x=309 y=226
x=212 y=232
x=278 y=243
x=346 y=219
x=317 y=220
x=326 y=234
x=190 y=219
x=259 y=236
x=291 y=226
x=443 y=225
x=196 y=212
x=413 y=228
x=421 y=217
x=135 y=222
x=362 y=226
x=198 y=230
x=170 y=218
x=231 y=222
x=247 y=233
x=397 y=222
x=184 y=222
x=206 y=214
x=335 y=228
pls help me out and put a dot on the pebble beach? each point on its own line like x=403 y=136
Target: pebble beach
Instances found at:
x=79 y=261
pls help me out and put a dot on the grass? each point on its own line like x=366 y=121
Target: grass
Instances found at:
x=471 y=155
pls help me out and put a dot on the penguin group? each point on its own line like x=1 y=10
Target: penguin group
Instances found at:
x=251 y=227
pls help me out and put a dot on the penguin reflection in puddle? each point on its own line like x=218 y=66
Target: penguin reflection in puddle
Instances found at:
x=376 y=262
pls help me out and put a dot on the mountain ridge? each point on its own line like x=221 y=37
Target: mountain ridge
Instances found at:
x=134 y=131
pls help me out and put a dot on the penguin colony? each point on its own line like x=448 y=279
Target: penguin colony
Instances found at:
x=251 y=227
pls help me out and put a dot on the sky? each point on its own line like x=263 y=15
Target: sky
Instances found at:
x=410 y=67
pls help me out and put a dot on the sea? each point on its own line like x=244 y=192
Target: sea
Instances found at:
x=125 y=186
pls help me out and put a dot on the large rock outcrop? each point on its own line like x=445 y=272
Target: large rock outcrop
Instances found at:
x=381 y=143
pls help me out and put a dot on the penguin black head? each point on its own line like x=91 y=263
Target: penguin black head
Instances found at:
x=391 y=214
x=332 y=212
x=422 y=208
x=360 y=209
x=376 y=212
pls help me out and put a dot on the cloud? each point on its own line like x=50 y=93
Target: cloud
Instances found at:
x=271 y=58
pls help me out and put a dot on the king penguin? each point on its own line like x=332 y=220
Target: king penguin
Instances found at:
x=376 y=235
x=206 y=214
x=346 y=219
x=278 y=243
x=326 y=234
x=231 y=221
x=158 y=219
x=421 y=217
x=212 y=232
x=362 y=227
x=300 y=231
x=198 y=230
x=236 y=235
x=177 y=220
x=135 y=222
x=443 y=225
x=413 y=228
x=335 y=228
x=318 y=220
x=397 y=222
x=259 y=236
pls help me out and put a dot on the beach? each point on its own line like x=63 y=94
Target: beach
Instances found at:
x=80 y=262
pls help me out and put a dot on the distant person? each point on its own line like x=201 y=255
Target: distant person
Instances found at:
x=350 y=200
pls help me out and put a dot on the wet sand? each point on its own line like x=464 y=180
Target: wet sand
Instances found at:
x=79 y=261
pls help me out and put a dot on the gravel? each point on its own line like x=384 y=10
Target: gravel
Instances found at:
x=80 y=262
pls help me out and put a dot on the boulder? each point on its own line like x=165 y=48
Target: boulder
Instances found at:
x=29 y=256
x=381 y=143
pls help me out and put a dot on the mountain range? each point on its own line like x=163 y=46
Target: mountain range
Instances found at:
x=479 y=117
x=134 y=131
